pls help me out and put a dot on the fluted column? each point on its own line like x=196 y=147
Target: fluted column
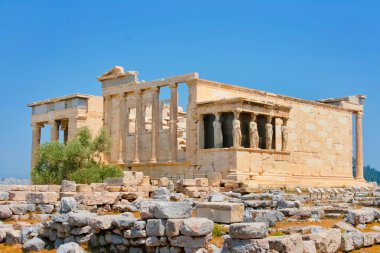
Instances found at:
x=359 y=146
x=173 y=122
x=122 y=136
x=54 y=130
x=138 y=124
x=155 y=122
x=36 y=138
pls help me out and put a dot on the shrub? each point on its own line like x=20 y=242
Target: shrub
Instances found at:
x=80 y=160
x=95 y=173
x=219 y=230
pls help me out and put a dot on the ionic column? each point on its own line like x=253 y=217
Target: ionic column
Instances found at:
x=36 y=138
x=173 y=122
x=359 y=146
x=54 y=130
x=107 y=123
x=138 y=124
x=122 y=120
x=155 y=122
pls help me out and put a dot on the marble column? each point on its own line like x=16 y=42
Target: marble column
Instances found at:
x=107 y=121
x=277 y=133
x=155 y=123
x=36 y=138
x=201 y=132
x=54 y=130
x=122 y=120
x=173 y=122
x=138 y=125
x=359 y=146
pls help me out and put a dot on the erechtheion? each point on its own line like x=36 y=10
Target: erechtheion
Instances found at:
x=226 y=131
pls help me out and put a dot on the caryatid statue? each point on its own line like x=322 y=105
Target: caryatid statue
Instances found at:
x=284 y=134
x=269 y=133
x=218 y=135
x=236 y=131
x=253 y=133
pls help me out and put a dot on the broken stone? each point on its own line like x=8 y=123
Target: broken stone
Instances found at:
x=221 y=212
x=254 y=230
x=197 y=226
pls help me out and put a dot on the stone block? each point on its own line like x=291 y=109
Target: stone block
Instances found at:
x=42 y=197
x=172 y=210
x=68 y=204
x=4 y=195
x=173 y=227
x=186 y=182
x=133 y=178
x=68 y=186
x=253 y=230
x=84 y=188
x=309 y=247
x=5 y=212
x=124 y=222
x=34 y=244
x=286 y=243
x=20 y=209
x=79 y=219
x=155 y=227
x=98 y=187
x=328 y=241
x=214 y=178
x=221 y=212
x=201 y=182
x=163 y=182
x=102 y=222
x=244 y=246
x=185 y=241
x=360 y=216
x=197 y=227
x=17 y=195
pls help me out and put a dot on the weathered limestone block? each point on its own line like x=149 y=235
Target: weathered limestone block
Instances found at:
x=161 y=193
x=68 y=186
x=186 y=182
x=84 y=188
x=124 y=222
x=270 y=217
x=201 y=182
x=79 y=219
x=34 y=244
x=98 y=187
x=114 y=239
x=242 y=246
x=369 y=238
x=327 y=241
x=70 y=247
x=221 y=212
x=172 y=210
x=45 y=208
x=173 y=227
x=68 y=204
x=360 y=216
x=133 y=178
x=98 y=198
x=188 y=241
x=214 y=178
x=17 y=195
x=42 y=197
x=197 y=226
x=163 y=182
x=102 y=222
x=124 y=208
x=155 y=227
x=13 y=237
x=351 y=239
x=147 y=209
x=5 y=212
x=254 y=230
x=286 y=243
x=20 y=209
x=4 y=195
x=309 y=247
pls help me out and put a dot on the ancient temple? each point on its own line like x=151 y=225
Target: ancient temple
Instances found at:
x=226 y=131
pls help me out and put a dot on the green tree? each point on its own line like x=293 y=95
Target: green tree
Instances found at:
x=80 y=160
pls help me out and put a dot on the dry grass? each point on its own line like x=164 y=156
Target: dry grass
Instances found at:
x=373 y=249
x=326 y=223
x=218 y=241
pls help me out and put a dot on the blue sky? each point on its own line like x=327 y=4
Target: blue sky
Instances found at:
x=305 y=49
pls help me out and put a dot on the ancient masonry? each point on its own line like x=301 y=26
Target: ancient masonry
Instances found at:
x=227 y=132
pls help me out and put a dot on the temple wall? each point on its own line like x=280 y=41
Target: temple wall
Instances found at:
x=320 y=137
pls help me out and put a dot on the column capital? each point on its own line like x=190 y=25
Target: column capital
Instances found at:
x=173 y=85
x=237 y=113
x=155 y=89
x=36 y=125
x=139 y=91
x=359 y=114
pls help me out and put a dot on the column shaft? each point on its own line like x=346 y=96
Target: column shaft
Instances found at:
x=54 y=130
x=122 y=136
x=138 y=124
x=359 y=146
x=36 y=138
x=173 y=122
x=155 y=122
